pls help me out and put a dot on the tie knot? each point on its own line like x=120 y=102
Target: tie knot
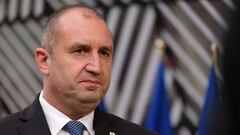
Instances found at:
x=74 y=127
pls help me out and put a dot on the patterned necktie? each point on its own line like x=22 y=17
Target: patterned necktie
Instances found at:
x=74 y=127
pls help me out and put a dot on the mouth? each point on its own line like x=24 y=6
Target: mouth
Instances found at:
x=91 y=84
x=93 y=81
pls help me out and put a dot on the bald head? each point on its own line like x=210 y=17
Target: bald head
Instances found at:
x=51 y=27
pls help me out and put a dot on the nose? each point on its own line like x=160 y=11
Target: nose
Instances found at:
x=94 y=64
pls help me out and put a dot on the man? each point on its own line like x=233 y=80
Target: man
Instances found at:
x=75 y=59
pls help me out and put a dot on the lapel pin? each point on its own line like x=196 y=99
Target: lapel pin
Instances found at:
x=111 y=133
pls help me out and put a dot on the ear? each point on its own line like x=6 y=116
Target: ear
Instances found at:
x=41 y=57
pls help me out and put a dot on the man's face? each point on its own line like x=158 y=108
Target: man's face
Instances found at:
x=80 y=66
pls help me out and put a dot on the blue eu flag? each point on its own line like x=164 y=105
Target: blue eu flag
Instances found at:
x=158 y=116
x=102 y=106
x=209 y=103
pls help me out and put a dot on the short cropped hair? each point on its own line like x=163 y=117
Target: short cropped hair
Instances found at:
x=50 y=30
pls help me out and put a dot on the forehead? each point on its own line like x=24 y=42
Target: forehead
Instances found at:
x=80 y=11
x=82 y=25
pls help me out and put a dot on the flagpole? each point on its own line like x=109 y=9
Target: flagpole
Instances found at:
x=160 y=44
x=214 y=51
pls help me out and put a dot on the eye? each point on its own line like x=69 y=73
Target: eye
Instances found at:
x=82 y=50
x=105 y=52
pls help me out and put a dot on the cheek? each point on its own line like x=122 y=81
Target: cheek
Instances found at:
x=72 y=73
x=65 y=72
x=107 y=73
x=72 y=66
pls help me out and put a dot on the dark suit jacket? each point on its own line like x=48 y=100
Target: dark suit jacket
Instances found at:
x=32 y=121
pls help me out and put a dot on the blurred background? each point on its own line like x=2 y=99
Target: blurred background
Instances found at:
x=188 y=28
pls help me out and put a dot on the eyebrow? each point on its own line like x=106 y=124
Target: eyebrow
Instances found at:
x=78 y=45
x=109 y=48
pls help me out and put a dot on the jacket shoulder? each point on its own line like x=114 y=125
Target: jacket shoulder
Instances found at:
x=12 y=118
x=9 y=124
x=127 y=127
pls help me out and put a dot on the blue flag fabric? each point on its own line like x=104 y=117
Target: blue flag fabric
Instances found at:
x=211 y=98
x=158 y=116
x=102 y=106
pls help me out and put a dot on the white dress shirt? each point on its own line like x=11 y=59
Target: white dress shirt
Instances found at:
x=56 y=120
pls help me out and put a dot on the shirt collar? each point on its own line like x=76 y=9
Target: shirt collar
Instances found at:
x=56 y=119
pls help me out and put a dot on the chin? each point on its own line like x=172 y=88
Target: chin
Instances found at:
x=94 y=100
x=88 y=107
x=90 y=96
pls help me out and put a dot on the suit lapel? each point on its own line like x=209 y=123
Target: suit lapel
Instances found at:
x=103 y=125
x=33 y=119
x=34 y=122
